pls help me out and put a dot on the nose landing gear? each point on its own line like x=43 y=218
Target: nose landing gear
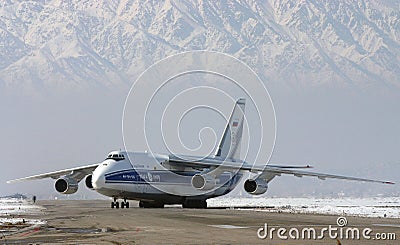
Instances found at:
x=124 y=204
x=115 y=203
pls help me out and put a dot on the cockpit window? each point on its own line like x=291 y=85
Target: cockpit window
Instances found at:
x=116 y=157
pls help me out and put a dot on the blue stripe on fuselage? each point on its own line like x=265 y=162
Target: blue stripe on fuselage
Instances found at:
x=133 y=176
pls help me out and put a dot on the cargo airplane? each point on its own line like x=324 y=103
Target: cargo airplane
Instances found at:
x=158 y=179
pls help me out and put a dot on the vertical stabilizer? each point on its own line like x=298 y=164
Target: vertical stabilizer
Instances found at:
x=229 y=146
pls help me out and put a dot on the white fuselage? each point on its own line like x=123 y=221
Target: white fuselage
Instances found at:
x=142 y=176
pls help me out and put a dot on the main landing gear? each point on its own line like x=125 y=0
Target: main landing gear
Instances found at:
x=115 y=203
x=188 y=203
x=146 y=204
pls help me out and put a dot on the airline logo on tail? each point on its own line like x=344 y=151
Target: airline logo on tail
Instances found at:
x=229 y=146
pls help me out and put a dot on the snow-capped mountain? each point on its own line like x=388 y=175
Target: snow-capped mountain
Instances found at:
x=74 y=43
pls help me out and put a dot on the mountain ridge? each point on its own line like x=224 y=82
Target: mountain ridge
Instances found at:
x=75 y=43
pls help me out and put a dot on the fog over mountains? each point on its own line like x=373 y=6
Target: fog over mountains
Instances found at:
x=76 y=43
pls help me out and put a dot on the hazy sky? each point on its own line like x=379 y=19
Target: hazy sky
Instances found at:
x=67 y=69
x=342 y=131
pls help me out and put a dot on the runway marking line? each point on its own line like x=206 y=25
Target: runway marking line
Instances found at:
x=36 y=229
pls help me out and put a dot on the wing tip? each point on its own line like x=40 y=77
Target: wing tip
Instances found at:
x=389 y=182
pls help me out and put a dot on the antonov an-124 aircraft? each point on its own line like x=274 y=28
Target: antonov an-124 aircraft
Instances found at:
x=158 y=179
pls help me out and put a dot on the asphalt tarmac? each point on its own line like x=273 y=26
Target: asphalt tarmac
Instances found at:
x=94 y=222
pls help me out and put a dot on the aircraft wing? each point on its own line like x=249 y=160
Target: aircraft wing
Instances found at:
x=77 y=173
x=266 y=172
x=322 y=176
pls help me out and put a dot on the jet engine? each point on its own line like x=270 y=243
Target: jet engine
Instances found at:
x=255 y=187
x=66 y=185
x=88 y=182
x=203 y=182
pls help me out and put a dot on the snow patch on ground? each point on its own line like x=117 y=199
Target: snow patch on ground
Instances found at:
x=388 y=207
x=11 y=206
x=11 y=210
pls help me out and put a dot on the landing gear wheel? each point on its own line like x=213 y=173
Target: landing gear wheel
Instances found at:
x=124 y=204
x=145 y=204
x=195 y=204
x=115 y=205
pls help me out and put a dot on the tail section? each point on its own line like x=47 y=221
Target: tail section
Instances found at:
x=229 y=146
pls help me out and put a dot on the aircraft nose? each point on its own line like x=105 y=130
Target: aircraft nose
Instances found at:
x=98 y=179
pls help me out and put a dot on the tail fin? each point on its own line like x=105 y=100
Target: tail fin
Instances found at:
x=229 y=146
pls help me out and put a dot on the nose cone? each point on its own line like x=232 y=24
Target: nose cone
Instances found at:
x=98 y=179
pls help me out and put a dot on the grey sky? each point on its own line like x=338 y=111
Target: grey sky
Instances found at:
x=340 y=131
x=66 y=71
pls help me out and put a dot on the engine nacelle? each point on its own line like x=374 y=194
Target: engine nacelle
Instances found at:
x=66 y=185
x=203 y=182
x=88 y=182
x=255 y=187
